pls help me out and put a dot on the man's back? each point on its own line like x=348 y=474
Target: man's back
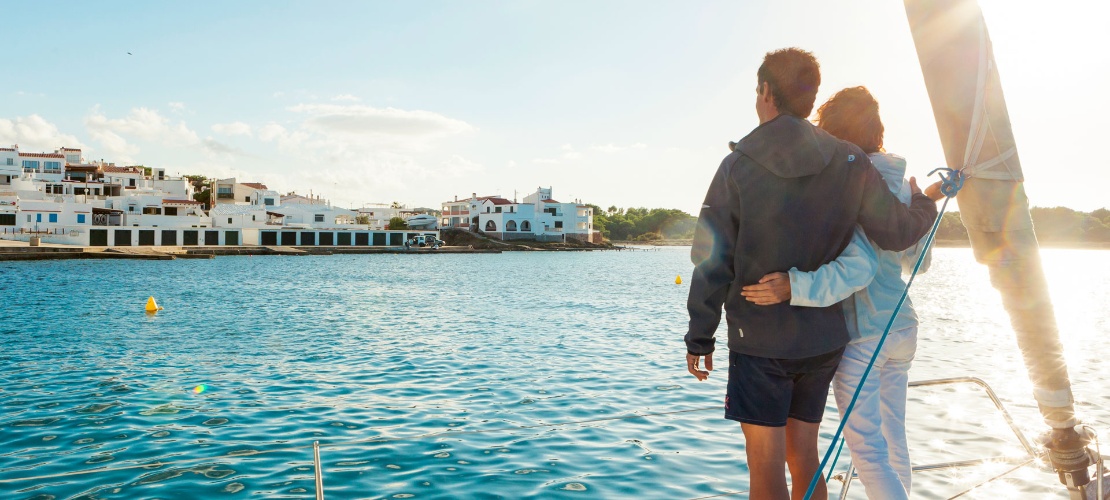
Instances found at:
x=788 y=196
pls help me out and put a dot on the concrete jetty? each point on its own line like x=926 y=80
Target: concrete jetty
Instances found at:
x=18 y=250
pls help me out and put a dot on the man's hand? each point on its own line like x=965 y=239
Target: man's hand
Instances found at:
x=913 y=186
x=771 y=289
x=933 y=191
x=692 y=365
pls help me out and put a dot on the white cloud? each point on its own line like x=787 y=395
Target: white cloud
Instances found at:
x=511 y=164
x=613 y=148
x=457 y=167
x=33 y=134
x=346 y=97
x=389 y=124
x=356 y=152
x=545 y=161
x=572 y=155
x=233 y=128
x=567 y=147
x=270 y=131
x=177 y=106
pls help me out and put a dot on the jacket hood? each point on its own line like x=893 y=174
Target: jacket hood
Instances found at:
x=893 y=170
x=789 y=147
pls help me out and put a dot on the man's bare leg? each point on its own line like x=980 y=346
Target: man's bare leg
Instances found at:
x=766 y=448
x=801 y=457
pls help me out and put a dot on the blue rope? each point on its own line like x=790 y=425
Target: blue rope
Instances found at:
x=951 y=182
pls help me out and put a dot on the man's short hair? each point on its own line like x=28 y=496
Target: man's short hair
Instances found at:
x=792 y=75
x=853 y=115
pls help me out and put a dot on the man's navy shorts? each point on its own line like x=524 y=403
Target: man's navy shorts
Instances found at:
x=767 y=391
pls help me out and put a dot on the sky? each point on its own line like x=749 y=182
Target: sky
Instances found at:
x=616 y=103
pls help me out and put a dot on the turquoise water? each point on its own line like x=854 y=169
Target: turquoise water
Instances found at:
x=253 y=359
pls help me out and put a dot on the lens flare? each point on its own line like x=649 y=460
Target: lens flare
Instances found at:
x=200 y=389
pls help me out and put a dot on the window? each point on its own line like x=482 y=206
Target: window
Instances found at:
x=510 y=226
x=254 y=217
x=247 y=199
x=11 y=161
x=171 y=211
x=229 y=220
x=269 y=201
x=491 y=226
x=319 y=218
x=53 y=166
x=80 y=218
x=7 y=219
x=53 y=218
x=151 y=211
x=558 y=224
x=497 y=209
x=38 y=217
x=30 y=166
x=131 y=208
x=526 y=226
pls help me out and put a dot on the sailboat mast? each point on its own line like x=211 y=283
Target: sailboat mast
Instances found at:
x=957 y=62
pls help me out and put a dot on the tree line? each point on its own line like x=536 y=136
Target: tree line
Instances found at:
x=643 y=224
x=1052 y=225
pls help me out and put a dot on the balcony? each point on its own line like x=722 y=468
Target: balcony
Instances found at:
x=225 y=196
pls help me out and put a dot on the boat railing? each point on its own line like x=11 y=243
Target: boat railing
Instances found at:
x=1033 y=453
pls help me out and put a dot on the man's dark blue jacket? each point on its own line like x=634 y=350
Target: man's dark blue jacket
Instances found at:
x=788 y=196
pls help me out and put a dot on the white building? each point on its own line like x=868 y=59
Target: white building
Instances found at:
x=538 y=217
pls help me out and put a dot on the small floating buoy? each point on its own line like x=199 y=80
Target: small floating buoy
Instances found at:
x=677 y=280
x=152 y=306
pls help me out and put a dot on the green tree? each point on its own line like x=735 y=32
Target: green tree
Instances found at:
x=397 y=224
x=362 y=219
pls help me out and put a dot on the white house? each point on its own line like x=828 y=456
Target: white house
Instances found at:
x=538 y=217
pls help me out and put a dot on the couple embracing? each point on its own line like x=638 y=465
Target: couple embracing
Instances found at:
x=802 y=239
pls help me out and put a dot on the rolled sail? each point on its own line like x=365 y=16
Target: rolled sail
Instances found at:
x=966 y=94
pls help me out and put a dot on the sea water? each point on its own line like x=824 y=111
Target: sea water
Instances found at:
x=519 y=375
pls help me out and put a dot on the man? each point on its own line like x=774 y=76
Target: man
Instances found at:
x=789 y=196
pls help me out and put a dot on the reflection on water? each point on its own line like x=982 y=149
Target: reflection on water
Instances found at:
x=253 y=359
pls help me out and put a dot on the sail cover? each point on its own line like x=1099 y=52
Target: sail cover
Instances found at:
x=964 y=87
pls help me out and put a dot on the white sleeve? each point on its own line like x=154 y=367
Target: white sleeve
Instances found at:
x=909 y=257
x=851 y=272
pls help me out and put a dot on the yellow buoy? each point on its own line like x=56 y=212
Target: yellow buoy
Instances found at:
x=678 y=279
x=152 y=306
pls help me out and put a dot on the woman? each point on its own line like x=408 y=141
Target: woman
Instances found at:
x=875 y=431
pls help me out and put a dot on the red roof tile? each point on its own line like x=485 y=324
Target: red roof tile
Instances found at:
x=496 y=200
x=255 y=185
x=550 y=201
x=70 y=149
x=7 y=149
x=181 y=202
x=42 y=155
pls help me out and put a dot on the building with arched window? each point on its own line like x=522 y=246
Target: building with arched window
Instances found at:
x=537 y=217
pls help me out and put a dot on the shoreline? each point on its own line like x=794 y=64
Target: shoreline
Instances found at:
x=66 y=252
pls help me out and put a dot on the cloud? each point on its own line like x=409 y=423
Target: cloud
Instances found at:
x=213 y=146
x=144 y=123
x=233 y=128
x=177 y=106
x=389 y=124
x=613 y=148
x=356 y=152
x=545 y=161
x=33 y=133
x=346 y=97
x=457 y=167
x=278 y=94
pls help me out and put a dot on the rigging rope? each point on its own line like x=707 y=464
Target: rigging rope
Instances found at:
x=950 y=185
